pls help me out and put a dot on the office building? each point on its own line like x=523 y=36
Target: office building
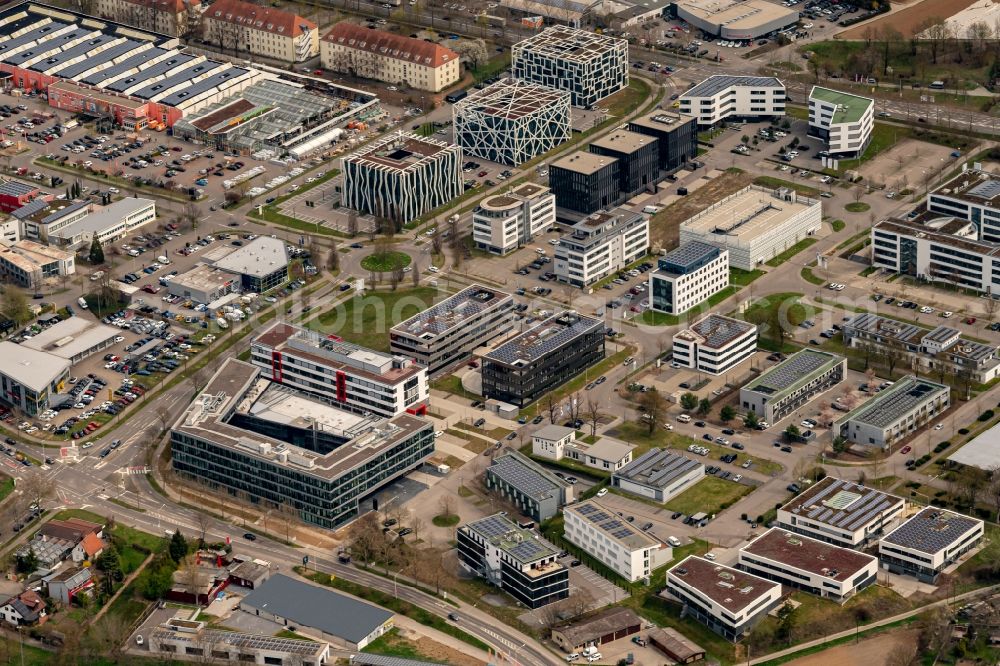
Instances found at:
x=14 y=194
x=557 y=442
x=726 y=600
x=535 y=491
x=261 y=264
x=814 y=566
x=29 y=264
x=715 y=344
x=587 y=65
x=178 y=638
x=600 y=245
x=792 y=383
x=106 y=223
x=928 y=543
x=353 y=49
x=203 y=284
x=755 y=224
x=169 y=17
x=844 y=121
x=659 y=475
x=613 y=541
x=895 y=413
x=676 y=136
x=73 y=339
x=511 y=121
x=513 y=559
x=736 y=19
x=272 y=443
x=840 y=512
x=688 y=276
x=502 y=223
x=608 y=625
x=260 y=31
x=972 y=195
x=542 y=358
x=402 y=176
x=447 y=332
x=344 y=374
x=942 y=349
x=638 y=158
x=585 y=182
x=724 y=97
x=28 y=378
x=558 y=12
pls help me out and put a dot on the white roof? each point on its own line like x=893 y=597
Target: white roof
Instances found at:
x=103 y=219
x=982 y=452
x=30 y=368
x=552 y=432
x=263 y=256
x=82 y=333
x=606 y=448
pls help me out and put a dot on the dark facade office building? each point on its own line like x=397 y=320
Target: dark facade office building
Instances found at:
x=676 y=133
x=638 y=158
x=514 y=560
x=249 y=435
x=585 y=182
x=525 y=367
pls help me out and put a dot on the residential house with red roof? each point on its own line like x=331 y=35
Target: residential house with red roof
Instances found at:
x=262 y=31
x=167 y=17
x=24 y=609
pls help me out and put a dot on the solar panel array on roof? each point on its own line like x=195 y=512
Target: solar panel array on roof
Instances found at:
x=148 y=73
x=719 y=331
x=793 y=369
x=548 y=336
x=986 y=190
x=518 y=474
x=841 y=504
x=196 y=88
x=932 y=530
x=452 y=311
x=657 y=467
x=186 y=76
x=98 y=59
x=126 y=65
x=894 y=403
x=10 y=44
x=608 y=522
x=82 y=49
x=716 y=84
x=241 y=640
x=527 y=550
x=492 y=527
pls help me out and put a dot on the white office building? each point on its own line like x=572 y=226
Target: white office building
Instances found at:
x=659 y=475
x=895 y=413
x=736 y=19
x=844 y=121
x=616 y=543
x=841 y=512
x=929 y=542
x=781 y=389
x=972 y=195
x=715 y=344
x=557 y=442
x=504 y=222
x=687 y=276
x=722 y=97
x=601 y=244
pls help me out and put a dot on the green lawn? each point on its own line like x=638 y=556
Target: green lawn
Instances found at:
x=6 y=486
x=442 y=520
x=384 y=262
x=775 y=183
x=366 y=319
x=652 y=318
x=452 y=384
x=742 y=278
x=764 y=309
x=710 y=495
x=776 y=261
x=838 y=225
x=807 y=275
x=856 y=207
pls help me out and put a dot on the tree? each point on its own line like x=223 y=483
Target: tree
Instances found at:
x=936 y=32
x=333 y=258
x=751 y=420
x=786 y=623
x=415 y=275
x=689 y=401
x=447 y=505
x=971 y=484
x=178 y=547
x=727 y=413
x=157 y=579
x=109 y=561
x=108 y=637
x=191 y=214
x=840 y=444
x=366 y=537
x=473 y=50
x=26 y=562
x=704 y=406
x=551 y=404
x=654 y=405
x=593 y=414
x=96 y=256
x=792 y=431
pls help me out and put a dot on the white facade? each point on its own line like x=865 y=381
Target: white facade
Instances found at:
x=895 y=413
x=658 y=475
x=600 y=245
x=504 y=222
x=688 y=276
x=108 y=223
x=843 y=120
x=720 y=97
x=929 y=542
x=715 y=344
x=263 y=31
x=551 y=441
x=630 y=552
x=856 y=513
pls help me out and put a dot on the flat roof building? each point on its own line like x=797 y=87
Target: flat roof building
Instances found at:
x=676 y=135
x=605 y=454
x=972 y=195
x=895 y=413
x=844 y=121
x=638 y=158
x=723 y=97
x=736 y=19
x=261 y=264
x=447 y=332
x=203 y=284
x=715 y=344
x=535 y=491
x=840 y=512
x=808 y=564
x=688 y=276
x=613 y=541
x=14 y=194
x=659 y=475
x=929 y=542
x=501 y=223
x=606 y=626
x=73 y=339
x=106 y=223
x=29 y=264
x=755 y=224
x=585 y=182
x=186 y=637
x=28 y=378
x=599 y=245
x=792 y=383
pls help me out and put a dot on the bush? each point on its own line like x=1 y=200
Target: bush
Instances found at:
x=963 y=431
x=986 y=416
x=940 y=493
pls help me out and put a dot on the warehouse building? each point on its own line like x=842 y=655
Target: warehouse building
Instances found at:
x=585 y=182
x=807 y=564
x=606 y=626
x=841 y=512
x=659 y=475
x=73 y=339
x=402 y=176
x=203 y=284
x=535 y=491
x=524 y=368
x=261 y=264
x=347 y=375
x=502 y=223
x=676 y=135
x=447 y=332
x=929 y=542
x=786 y=387
x=844 y=121
x=28 y=264
x=14 y=194
x=587 y=65
x=600 y=245
x=687 y=276
x=675 y=645
x=638 y=158
x=894 y=414
x=260 y=30
x=724 y=97
x=755 y=224
x=512 y=121
x=29 y=378
x=715 y=344
x=736 y=19
x=613 y=541
x=514 y=560
x=250 y=435
x=728 y=601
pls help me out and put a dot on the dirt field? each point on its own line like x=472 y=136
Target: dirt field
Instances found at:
x=905 y=164
x=665 y=226
x=870 y=652
x=908 y=20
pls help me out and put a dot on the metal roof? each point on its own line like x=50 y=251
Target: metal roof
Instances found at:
x=262 y=256
x=33 y=369
x=526 y=476
x=932 y=530
x=126 y=65
x=798 y=368
x=151 y=72
x=657 y=468
x=716 y=84
x=98 y=59
x=81 y=49
x=547 y=337
x=895 y=402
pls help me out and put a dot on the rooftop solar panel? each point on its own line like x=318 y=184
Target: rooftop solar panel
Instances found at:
x=932 y=530
x=80 y=50
x=548 y=336
x=715 y=84
x=149 y=73
x=516 y=472
x=986 y=190
x=47 y=44
x=126 y=65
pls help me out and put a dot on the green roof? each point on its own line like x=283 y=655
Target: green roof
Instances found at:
x=798 y=369
x=850 y=107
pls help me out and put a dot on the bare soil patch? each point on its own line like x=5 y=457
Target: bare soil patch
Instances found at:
x=870 y=652
x=906 y=164
x=908 y=21
x=665 y=226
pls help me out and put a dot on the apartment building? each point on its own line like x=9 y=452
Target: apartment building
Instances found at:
x=638 y=158
x=841 y=512
x=676 y=135
x=781 y=390
x=724 y=97
x=894 y=414
x=168 y=17
x=534 y=490
x=715 y=344
x=604 y=454
x=614 y=542
x=807 y=564
x=447 y=332
x=525 y=367
x=514 y=560
x=261 y=31
x=502 y=223
x=353 y=49
x=842 y=120
x=350 y=376
x=585 y=182
x=600 y=245
x=589 y=66
x=28 y=264
x=659 y=475
x=687 y=276
x=928 y=543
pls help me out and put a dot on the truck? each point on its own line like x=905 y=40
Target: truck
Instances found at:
x=82 y=303
x=221 y=323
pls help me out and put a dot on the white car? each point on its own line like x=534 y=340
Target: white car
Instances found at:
x=737 y=478
x=602 y=492
x=939 y=426
x=438 y=433
x=709 y=556
x=946 y=315
x=113 y=190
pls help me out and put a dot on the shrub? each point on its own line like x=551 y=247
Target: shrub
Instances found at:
x=986 y=416
x=940 y=493
x=963 y=431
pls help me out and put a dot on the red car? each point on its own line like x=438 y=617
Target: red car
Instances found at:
x=483 y=173
x=970 y=320
x=906 y=449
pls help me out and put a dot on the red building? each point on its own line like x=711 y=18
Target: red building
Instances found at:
x=128 y=112
x=14 y=194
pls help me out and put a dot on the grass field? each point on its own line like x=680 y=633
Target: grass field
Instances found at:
x=383 y=262
x=6 y=486
x=366 y=320
x=742 y=278
x=808 y=276
x=856 y=207
x=710 y=495
x=775 y=183
x=777 y=260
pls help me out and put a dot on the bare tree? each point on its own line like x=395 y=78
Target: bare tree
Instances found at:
x=654 y=405
x=352 y=222
x=593 y=414
x=366 y=536
x=163 y=415
x=551 y=404
x=204 y=522
x=108 y=636
x=447 y=505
